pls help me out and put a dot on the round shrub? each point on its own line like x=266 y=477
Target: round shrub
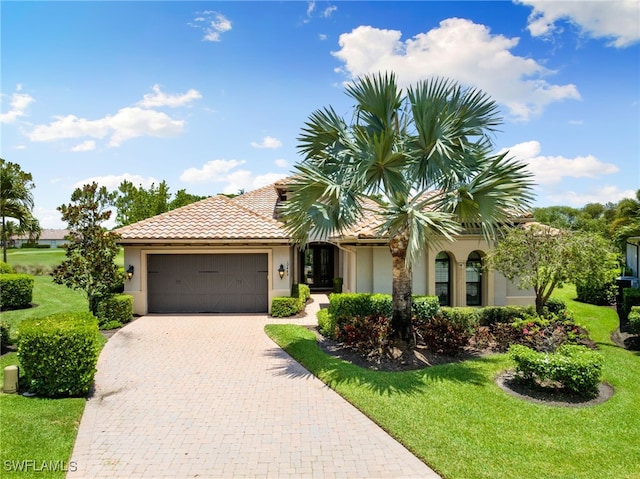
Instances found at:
x=284 y=306
x=326 y=323
x=59 y=353
x=115 y=308
x=4 y=335
x=17 y=291
x=634 y=320
x=5 y=268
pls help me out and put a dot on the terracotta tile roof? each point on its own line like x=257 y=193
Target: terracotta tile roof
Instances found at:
x=261 y=201
x=217 y=218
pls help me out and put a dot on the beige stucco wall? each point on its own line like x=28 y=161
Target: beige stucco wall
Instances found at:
x=137 y=257
x=373 y=273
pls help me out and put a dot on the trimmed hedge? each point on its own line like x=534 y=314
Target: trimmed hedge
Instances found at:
x=59 y=353
x=4 y=335
x=630 y=298
x=284 y=306
x=17 y=291
x=577 y=368
x=344 y=306
x=327 y=324
x=117 y=308
x=5 y=268
x=634 y=320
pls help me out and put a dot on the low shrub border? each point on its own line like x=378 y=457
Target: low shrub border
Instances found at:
x=59 y=353
x=114 y=311
x=17 y=291
x=634 y=320
x=577 y=368
x=285 y=306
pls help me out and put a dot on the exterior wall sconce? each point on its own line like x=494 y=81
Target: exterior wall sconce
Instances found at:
x=130 y=272
x=281 y=271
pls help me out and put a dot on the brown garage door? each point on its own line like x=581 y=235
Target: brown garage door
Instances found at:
x=207 y=283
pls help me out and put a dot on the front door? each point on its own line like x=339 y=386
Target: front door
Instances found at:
x=318 y=266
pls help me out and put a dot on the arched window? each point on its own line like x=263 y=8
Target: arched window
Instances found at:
x=443 y=278
x=474 y=279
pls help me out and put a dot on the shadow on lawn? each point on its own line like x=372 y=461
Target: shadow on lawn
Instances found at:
x=336 y=372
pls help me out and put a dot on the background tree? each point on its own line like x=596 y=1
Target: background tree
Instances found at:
x=544 y=258
x=182 y=198
x=89 y=263
x=137 y=203
x=426 y=150
x=627 y=220
x=16 y=199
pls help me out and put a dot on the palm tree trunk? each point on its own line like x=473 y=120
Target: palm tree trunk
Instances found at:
x=401 y=287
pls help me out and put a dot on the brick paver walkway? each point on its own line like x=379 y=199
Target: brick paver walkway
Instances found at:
x=211 y=396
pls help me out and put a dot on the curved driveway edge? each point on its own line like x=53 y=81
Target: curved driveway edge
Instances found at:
x=211 y=396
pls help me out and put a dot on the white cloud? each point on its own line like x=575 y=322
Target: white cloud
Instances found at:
x=49 y=218
x=20 y=147
x=281 y=163
x=311 y=6
x=113 y=181
x=85 y=146
x=232 y=179
x=159 y=98
x=19 y=104
x=322 y=36
x=327 y=12
x=213 y=25
x=617 y=20
x=127 y=123
x=551 y=170
x=267 y=142
x=212 y=170
x=602 y=195
x=460 y=49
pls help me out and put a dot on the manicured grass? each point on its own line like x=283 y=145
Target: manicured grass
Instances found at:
x=461 y=424
x=43 y=258
x=36 y=429
x=48 y=298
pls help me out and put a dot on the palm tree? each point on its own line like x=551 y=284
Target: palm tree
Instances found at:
x=426 y=150
x=16 y=199
x=627 y=222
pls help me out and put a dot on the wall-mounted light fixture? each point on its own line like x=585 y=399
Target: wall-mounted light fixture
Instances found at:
x=130 y=272
x=281 y=271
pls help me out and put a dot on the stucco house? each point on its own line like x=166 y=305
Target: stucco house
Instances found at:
x=54 y=238
x=232 y=255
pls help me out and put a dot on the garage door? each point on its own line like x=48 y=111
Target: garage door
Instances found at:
x=208 y=283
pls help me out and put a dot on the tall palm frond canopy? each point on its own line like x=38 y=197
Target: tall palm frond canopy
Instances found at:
x=426 y=151
x=423 y=154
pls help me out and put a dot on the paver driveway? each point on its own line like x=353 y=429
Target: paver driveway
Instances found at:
x=212 y=396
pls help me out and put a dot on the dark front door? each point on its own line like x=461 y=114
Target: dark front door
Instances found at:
x=318 y=266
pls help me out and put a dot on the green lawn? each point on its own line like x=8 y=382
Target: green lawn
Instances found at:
x=461 y=424
x=43 y=259
x=36 y=429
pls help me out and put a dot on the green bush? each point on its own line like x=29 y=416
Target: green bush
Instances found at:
x=284 y=306
x=369 y=335
x=59 y=353
x=5 y=268
x=35 y=246
x=425 y=307
x=463 y=318
x=4 y=335
x=17 y=291
x=634 y=320
x=504 y=314
x=555 y=306
x=116 y=307
x=118 y=287
x=111 y=325
x=303 y=292
x=577 y=368
x=343 y=306
x=630 y=298
x=326 y=324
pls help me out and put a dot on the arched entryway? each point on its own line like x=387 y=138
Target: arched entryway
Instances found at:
x=318 y=261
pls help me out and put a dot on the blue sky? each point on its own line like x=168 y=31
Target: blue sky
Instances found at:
x=211 y=96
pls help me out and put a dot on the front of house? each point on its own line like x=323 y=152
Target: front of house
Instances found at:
x=232 y=255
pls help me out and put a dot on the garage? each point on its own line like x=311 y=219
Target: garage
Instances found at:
x=207 y=283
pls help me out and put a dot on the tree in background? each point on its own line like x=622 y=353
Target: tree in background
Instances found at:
x=89 y=264
x=182 y=198
x=135 y=204
x=544 y=258
x=627 y=220
x=426 y=150
x=16 y=199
